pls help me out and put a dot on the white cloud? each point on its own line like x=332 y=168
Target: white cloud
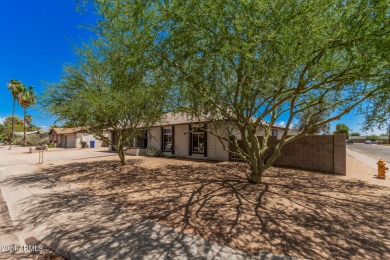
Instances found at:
x=2 y=119
x=282 y=123
x=43 y=126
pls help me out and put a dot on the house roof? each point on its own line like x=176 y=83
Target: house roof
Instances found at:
x=42 y=131
x=63 y=130
x=27 y=133
x=181 y=118
x=358 y=137
x=178 y=118
x=365 y=137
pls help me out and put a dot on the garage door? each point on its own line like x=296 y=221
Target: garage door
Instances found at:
x=69 y=141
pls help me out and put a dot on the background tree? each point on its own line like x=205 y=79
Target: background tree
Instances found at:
x=309 y=118
x=8 y=129
x=243 y=63
x=26 y=98
x=342 y=129
x=356 y=134
x=108 y=89
x=15 y=87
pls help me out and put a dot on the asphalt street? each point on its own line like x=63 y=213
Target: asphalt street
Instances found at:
x=372 y=150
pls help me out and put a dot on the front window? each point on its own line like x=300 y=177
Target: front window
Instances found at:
x=167 y=141
x=274 y=132
x=198 y=142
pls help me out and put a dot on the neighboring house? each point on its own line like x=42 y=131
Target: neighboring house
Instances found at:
x=363 y=139
x=42 y=133
x=178 y=135
x=358 y=139
x=72 y=137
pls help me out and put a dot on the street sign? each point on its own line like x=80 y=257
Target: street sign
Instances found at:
x=40 y=148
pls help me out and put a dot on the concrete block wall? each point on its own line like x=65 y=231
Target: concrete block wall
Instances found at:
x=326 y=153
x=340 y=154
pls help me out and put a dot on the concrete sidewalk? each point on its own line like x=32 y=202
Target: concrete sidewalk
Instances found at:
x=363 y=158
x=79 y=225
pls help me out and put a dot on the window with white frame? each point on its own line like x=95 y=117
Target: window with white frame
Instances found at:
x=198 y=142
x=274 y=132
x=167 y=139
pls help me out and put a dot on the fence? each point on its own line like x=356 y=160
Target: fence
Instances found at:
x=326 y=153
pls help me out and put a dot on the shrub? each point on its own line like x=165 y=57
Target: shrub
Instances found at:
x=32 y=140
x=152 y=151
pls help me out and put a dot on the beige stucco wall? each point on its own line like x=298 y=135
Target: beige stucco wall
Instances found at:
x=215 y=149
x=89 y=137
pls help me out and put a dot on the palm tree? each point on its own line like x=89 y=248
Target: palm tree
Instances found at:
x=26 y=99
x=15 y=87
x=28 y=122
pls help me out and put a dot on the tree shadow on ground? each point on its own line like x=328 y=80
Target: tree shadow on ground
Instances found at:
x=296 y=213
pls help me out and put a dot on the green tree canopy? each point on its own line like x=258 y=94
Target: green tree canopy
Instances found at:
x=376 y=111
x=310 y=117
x=240 y=64
x=6 y=127
x=107 y=89
x=342 y=129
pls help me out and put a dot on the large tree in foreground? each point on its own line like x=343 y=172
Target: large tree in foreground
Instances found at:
x=310 y=117
x=242 y=63
x=107 y=89
x=239 y=64
x=376 y=111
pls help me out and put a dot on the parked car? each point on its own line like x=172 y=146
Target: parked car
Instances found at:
x=349 y=142
x=368 y=142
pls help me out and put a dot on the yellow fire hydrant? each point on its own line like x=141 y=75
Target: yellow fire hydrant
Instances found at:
x=382 y=169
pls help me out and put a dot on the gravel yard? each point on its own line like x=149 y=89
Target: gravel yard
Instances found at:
x=294 y=212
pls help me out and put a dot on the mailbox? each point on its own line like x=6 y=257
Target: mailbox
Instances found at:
x=40 y=149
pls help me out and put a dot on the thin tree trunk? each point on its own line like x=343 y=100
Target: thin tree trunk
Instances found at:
x=122 y=156
x=121 y=152
x=24 y=129
x=12 y=129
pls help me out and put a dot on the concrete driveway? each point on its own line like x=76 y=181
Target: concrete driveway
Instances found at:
x=372 y=150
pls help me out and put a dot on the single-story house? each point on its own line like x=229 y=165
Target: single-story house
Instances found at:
x=178 y=135
x=358 y=139
x=73 y=137
x=41 y=132
x=362 y=139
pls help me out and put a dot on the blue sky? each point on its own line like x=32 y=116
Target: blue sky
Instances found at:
x=37 y=40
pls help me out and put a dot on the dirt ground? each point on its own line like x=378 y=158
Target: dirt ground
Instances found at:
x=294 y=212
